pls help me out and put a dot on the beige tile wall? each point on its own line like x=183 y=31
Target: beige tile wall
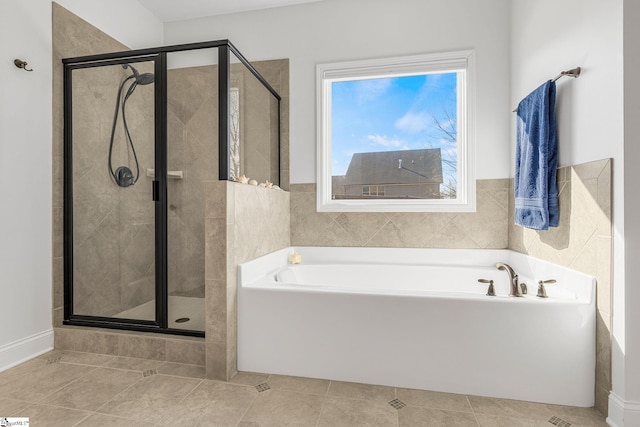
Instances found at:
x=254 y=221
x=131 y=344
x=113 y=268
x=192 y=113
x=485 y=228
x=193 y=148
x=582 y=241
x=73 y=36
x=276 y=72
x=192 y=135
x=257 y=128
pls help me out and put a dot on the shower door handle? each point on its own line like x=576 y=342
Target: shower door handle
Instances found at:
x=155 y=191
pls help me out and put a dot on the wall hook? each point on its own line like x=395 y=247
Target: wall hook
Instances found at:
x=21 y=64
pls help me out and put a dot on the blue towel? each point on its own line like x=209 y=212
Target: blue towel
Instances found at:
x=536 y=191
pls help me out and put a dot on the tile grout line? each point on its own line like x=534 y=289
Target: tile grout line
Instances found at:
x=252 y=402
x=84 y=419
x=324 y=400
x=388 y=220
x=142 y=377
x=179 y=376
x=31 y=405
x=111 y=416
x=473 y=411
x=83 y=364
x=428 y=243
x=200 y=382
x=96 y=413
x=186 y=394
x=64 y=386
x=118 y=394
x=437 y=408
x=582 y=249
x=398 y=410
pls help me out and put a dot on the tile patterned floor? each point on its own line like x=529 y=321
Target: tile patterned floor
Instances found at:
x=83 y=389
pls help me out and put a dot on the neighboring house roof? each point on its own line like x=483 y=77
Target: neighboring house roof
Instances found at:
x=382 y=167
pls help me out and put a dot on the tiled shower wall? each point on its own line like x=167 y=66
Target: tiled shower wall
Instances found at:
x=582 y=241
x=255 y=127
x=192 y=126
x=113 y=270
x=192 y=148
x=74 y=37
x=192 y=142
x=113 y=226
x=276 y=72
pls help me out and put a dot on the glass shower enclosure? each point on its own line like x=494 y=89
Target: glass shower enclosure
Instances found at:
x=143 y=131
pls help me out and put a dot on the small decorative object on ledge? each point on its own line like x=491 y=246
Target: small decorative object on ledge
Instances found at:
x=295 y=258
x=242 y=179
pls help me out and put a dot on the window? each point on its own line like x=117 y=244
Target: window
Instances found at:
x=395 y=134
x=372 y=190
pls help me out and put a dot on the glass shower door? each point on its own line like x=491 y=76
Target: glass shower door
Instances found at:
x=111 y=161
x=192 y=160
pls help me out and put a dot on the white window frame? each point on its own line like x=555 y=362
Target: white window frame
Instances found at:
x=462 y=62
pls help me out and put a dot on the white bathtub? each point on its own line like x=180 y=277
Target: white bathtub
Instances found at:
x=418 y=318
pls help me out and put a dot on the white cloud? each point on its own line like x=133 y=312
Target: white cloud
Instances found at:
x=447 y=143
x=414 y=122
x=452 y=153
x=385 y=141
x=368 y=90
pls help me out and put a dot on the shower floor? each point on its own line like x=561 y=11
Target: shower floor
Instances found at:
x=179 y=308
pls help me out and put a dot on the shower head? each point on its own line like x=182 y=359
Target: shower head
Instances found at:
x=145 y=78
x=141 y=79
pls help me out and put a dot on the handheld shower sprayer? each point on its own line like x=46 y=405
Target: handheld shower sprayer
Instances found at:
x=123 y=176
x=141 y=79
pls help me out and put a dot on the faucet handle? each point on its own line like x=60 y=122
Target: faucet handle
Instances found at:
x=542 y=292
x=491 y=292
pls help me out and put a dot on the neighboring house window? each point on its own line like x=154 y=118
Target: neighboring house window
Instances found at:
x=395 y=134
x=373 y=190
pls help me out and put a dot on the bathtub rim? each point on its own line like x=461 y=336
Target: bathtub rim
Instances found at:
x=250 y=272
x=265 y=342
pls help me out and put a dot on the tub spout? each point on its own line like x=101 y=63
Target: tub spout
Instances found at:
x=514 y=286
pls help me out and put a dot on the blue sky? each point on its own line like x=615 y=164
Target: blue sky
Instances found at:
x=390 y=114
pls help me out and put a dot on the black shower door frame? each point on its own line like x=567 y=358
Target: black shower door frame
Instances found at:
x=158 y=192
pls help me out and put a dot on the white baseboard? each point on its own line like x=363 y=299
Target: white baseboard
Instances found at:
x=623 y=413
x=20 y=351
